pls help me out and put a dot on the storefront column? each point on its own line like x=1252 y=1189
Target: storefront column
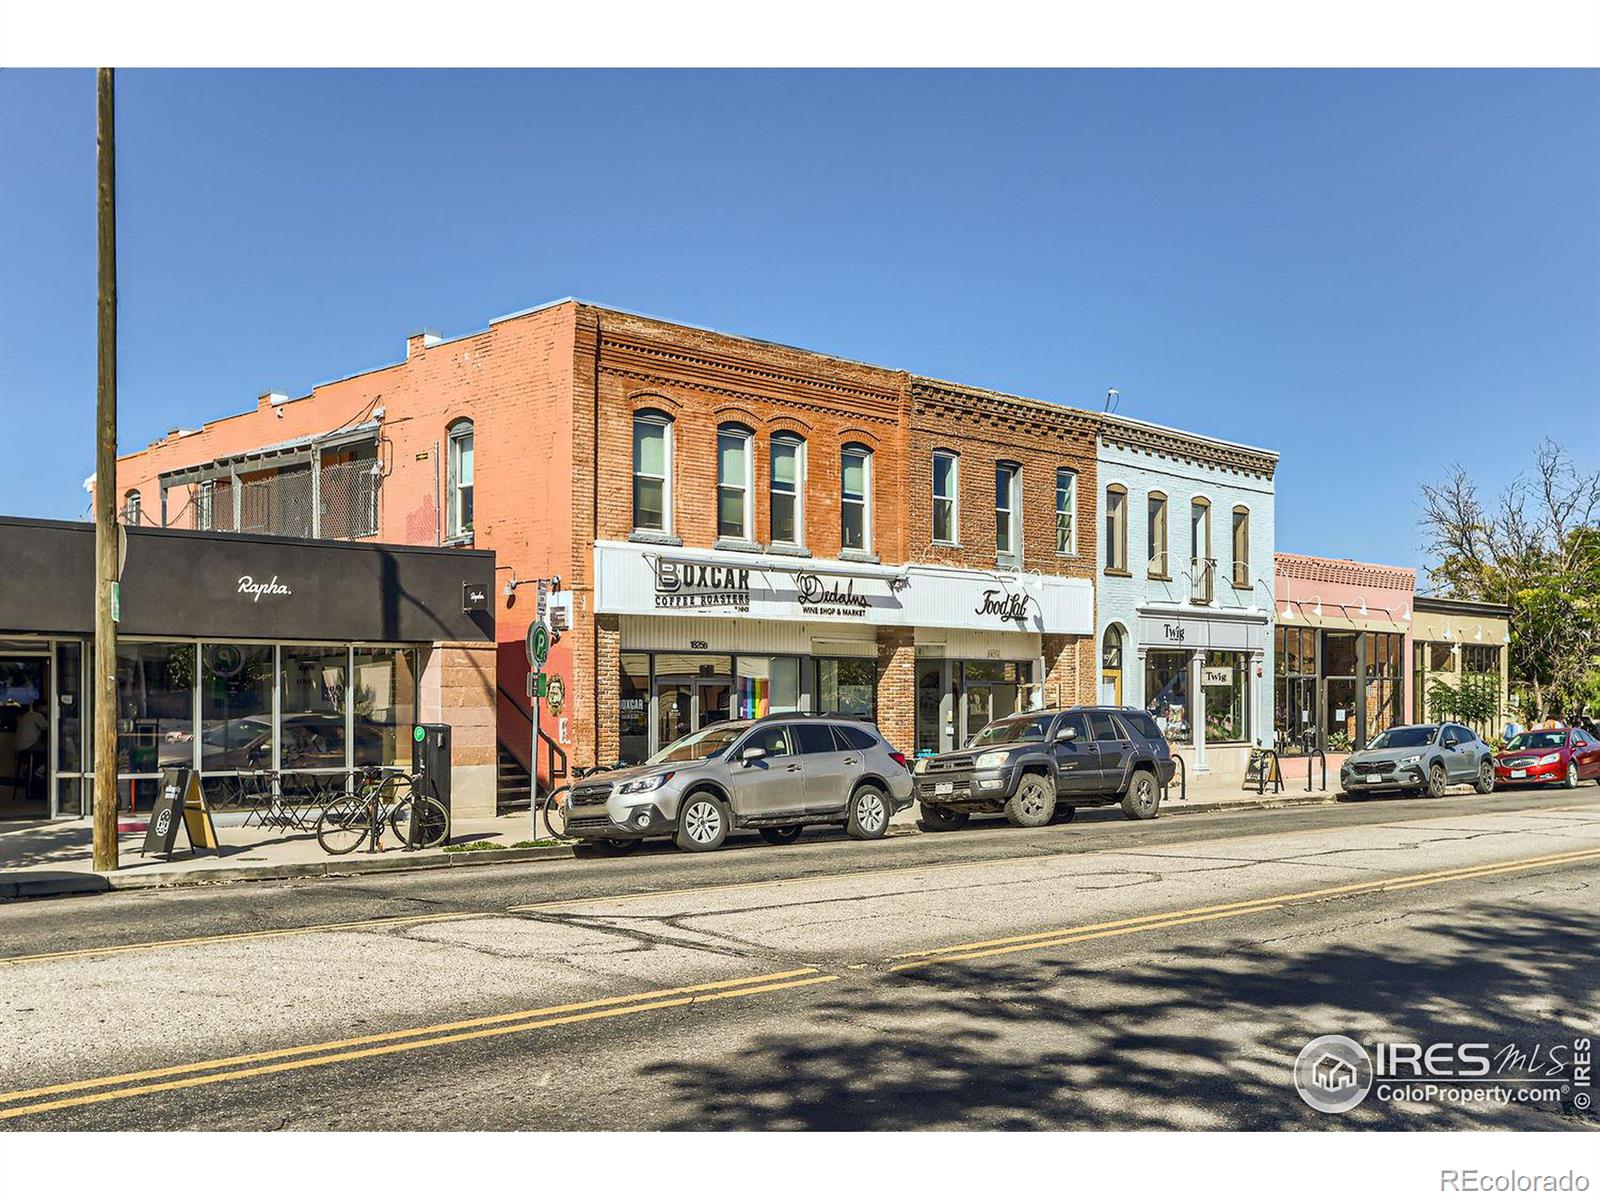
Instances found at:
x=606 y=684
x=1197 y=701
x=897 y=687
x=1262 y=701
x=457 y=688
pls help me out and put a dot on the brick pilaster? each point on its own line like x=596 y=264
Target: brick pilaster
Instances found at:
x=897 y=687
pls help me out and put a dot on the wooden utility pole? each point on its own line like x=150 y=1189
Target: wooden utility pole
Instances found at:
x=105 y=495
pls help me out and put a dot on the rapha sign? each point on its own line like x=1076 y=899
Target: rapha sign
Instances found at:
x=249 y=587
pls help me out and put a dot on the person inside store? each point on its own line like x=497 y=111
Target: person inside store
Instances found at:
x=33 y=727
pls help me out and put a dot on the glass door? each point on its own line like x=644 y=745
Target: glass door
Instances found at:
x=935 y=730
x=25 y=736
x=691 y=691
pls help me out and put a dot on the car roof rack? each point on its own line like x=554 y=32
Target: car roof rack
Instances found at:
x=812 y=714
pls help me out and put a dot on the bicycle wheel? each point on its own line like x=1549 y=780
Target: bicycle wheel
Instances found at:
x=553 y=809
x=345 y=823
x=432 y=821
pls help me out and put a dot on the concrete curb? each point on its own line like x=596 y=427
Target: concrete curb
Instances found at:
x=74 y=883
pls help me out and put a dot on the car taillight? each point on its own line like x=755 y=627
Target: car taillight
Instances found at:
x=900 y=758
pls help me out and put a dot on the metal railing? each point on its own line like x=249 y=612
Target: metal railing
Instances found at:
x=1202 y=580
x=555 y=756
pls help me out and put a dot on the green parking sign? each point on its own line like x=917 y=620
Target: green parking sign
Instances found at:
x=538 y=643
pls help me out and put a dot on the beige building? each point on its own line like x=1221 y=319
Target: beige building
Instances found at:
x=1461 y=648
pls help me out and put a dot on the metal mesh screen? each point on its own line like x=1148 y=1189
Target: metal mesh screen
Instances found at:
x=350 y=499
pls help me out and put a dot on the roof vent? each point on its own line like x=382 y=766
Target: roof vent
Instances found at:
x=277 y=398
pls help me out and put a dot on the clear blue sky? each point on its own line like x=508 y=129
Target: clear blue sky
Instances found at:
x=1372 y=273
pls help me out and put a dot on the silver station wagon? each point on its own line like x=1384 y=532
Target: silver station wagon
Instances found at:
x=775 y=775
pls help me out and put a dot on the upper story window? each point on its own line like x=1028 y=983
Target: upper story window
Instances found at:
x=205 y=515
x=788 y=490
x=1066 y=511
x=946 y=497
x=458 y=517
x=855 y=498
x=1202 y=566
x=1116 y=528
x=652 y=472
x=733 y=482
x=1156 y=535
x=130 y=507
x=1241 y=547
x=1007 y=513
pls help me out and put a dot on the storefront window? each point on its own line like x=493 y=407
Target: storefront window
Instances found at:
x=70 y=708
x=155 y=706
x=633 y=724
x=1166 y=689
x=766 y=685
x=1226 y=679
x=385 y=700
x=1384 y=682
x=847 y=685
x=1295 y=686
x=313 y=707
x=235 y=707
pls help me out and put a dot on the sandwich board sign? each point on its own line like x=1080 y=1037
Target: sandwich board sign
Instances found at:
x=180 y=801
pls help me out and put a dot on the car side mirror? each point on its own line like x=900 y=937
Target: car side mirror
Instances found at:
x=1450 y=743
x=1067 y=735
x=752 y=754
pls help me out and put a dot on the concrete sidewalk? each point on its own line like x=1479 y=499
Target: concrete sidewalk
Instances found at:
x=49 y=858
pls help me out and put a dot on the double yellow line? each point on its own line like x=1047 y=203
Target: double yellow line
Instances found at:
x=1217 y=912
x=297 y=1058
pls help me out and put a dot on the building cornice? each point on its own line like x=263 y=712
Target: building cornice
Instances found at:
x=998 y=410
x=1184 y=447
x=1345 y=571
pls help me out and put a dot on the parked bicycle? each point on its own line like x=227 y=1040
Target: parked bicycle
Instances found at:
x=552 y=807
x=384 y=796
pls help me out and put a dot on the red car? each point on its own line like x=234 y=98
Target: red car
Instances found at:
x=1564 y=756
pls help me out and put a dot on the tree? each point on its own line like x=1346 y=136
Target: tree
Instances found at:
x=1536 y=549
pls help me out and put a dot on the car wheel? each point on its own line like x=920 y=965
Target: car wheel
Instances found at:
x=1033 y=803
x=1484 y=784
x=1438 y=781
x=1571 y=780
x=935 y=818
x=1142 y=800
x=1064 y=814
x=868 y=814
x=782 y=835
x=703 y=822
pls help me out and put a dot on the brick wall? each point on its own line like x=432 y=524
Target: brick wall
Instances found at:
x=897 y=688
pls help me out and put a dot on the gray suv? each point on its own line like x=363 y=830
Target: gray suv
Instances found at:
x=1040 y=766
x=1414 y=759
x=775 y=775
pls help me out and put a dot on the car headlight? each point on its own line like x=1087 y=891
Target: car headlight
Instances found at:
x=921 y=768
x=991 y=759
x=1410 y=760
x=645 y=783
x=1546 y=759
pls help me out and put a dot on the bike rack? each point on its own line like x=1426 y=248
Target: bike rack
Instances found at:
x=1315 y=754
x=1183 y=780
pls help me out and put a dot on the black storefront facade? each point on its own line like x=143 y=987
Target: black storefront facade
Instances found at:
x=237 y=655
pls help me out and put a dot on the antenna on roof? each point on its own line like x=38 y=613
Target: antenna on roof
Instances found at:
x=1113 y=398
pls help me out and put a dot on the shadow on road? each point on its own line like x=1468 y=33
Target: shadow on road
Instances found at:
x=1194 y=1036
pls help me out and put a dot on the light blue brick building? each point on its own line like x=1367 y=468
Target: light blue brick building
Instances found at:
x=1185 y=587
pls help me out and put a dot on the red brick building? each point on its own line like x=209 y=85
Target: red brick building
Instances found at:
x=738 y=526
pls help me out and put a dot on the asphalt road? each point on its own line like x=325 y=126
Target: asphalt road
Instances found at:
x=1103 y=974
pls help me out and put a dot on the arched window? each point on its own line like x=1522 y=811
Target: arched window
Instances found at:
x=855 y=498
x=1241 y=546
x=733 y=482
x=946 y=497
x=458 y=473
x=1066 y=511
x=1116 y=528
x=652 y=471
x=1111 y=647
x=787 y=513
x=1202 y=565
x=1007 y=514
x=1156 y=533
x=130 y=507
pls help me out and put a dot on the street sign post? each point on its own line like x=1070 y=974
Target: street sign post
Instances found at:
x=538 y=652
